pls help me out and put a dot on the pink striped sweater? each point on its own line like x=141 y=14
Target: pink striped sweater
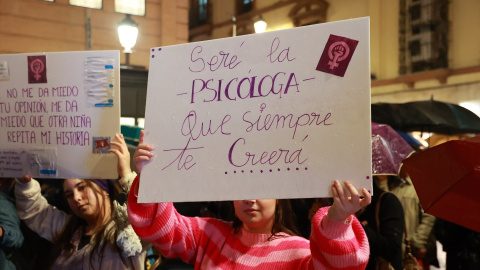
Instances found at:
x=212 y=244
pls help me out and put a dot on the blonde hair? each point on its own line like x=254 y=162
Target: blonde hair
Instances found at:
x=104 y=236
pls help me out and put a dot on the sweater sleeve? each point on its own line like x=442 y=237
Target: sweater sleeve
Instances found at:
x=124 y=183
x=336 y=245
x=171 y=233
x=33 y=208
x=127 y=239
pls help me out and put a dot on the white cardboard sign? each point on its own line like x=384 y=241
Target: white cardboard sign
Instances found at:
x=58 y=114
x=274 y=115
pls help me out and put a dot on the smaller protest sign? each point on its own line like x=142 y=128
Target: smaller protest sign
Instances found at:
x=58 y=113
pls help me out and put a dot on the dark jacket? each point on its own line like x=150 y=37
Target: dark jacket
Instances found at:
x=461 y=244
x=12 y=235
x=388 y=242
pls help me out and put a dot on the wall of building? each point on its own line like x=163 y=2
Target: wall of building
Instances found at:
x=383 y=16
x=464 y=33
x=464 y=53
x=39 y=26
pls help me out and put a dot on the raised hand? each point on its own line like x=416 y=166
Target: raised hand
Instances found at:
x=143 y=153
x=346 y=203
x=123 y=155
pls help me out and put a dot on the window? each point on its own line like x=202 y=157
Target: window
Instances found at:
x=415 y=12
x=423 y=35
x=132 y=7
x=414 y=47
x=244 y=6
x=200 y=13
x=97 y=4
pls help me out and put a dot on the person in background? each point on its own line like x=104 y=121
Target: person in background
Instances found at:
x=260 y=237
x=419 y=224
x=382 y=182
x=462 y=245
x=386 y=241
x=97 y=235
x=11 y=236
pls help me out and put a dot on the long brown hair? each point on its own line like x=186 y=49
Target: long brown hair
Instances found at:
x=284 y=220
x=103 y=237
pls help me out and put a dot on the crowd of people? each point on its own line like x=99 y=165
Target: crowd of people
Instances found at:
x=98 y=224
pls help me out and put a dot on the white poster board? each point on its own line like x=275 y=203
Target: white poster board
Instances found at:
x=58 y=114
x=274 y=115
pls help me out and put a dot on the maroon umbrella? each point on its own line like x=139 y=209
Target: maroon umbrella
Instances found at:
x=447 y=180
x=389 y=149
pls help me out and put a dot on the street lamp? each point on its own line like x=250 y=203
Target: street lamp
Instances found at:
x=234 y=29
x=127 y=33
x=260 y=25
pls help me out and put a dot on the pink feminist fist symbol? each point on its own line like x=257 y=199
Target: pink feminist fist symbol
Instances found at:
x=336 y=56
x=337 y=52
x=37 y=68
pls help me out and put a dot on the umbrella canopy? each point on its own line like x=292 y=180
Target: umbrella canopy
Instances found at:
x=441 y=117
x=389 y=149
x=447 y=180
x=399 y=116
x=427 y=116
x=387 y=113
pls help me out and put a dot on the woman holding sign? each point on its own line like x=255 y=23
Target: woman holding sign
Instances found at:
x=97 y=235
x=260 y=238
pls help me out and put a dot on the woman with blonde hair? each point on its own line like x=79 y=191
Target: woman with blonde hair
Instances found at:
x=97 y=235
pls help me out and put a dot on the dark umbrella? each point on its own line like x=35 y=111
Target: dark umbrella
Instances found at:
x=427 y=116
x=447 y=180
x=386 y=113
x=398 y=116
x=439 y=117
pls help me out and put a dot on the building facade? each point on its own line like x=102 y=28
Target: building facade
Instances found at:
x=419 y=48
x=55 y=26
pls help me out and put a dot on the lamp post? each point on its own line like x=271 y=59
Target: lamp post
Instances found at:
x=127 y=33
x=260 y=25
x=234 y=29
